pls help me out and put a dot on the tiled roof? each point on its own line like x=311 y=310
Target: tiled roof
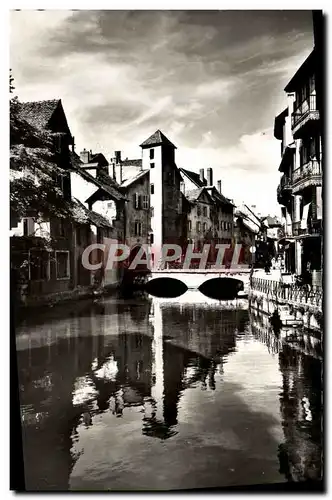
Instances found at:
x=156 y=139
x=97 y=158
x=104 y=182
x=271 y=221
x=129 y=163
x=84 y=215
x=218 y=197
x=127 y=182
x=194 y=194
x=38 y=113
x=195 y=178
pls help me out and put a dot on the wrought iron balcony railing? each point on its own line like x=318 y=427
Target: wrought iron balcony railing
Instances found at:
x=313 y=227
x=310 y=169
x=285 y=184
x=306 y=107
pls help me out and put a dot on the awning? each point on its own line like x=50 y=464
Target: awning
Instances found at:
x=304 y=220
x=287 y=158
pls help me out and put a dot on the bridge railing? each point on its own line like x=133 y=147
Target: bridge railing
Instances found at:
x=305 y=294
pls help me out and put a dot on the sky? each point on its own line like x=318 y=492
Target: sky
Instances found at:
x=212 y=81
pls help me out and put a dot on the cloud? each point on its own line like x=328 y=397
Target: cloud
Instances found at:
x=211 y=80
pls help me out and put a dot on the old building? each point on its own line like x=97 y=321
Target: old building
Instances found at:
x=210 y=216
x=135 y=184
x=167 y=216
x=48 y=268
x=100 y=200
x=299 y=127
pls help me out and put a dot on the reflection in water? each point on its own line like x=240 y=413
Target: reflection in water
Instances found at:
x=152 y=370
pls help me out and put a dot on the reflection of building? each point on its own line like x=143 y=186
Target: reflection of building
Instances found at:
x=301 y=409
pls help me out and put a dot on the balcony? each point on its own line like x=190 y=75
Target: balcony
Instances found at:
x=309 y=174
x=305 y=115
x=284 y=189
x=314 y=228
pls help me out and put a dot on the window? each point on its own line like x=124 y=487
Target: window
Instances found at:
x=28 y=226
x=138 y=228
x=62 y=264
x=204 y=227
x=60 y=227
x=137 y=201
x=152 y=188
x=39 y=265
x=205 y=211
x=198 y=227
x=145 y=202
x=198 y=210
x=151 y=165
x=151 y=239
x=312 y=84
x=189 y=225
x=152 y=155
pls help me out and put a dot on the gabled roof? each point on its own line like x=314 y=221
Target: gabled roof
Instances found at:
x=156 y=139
x=105 y=182
x=218 y=197
x=38 y=113
x=84 y=215
x=98 y=158
x=195 y=194
x=271 y=221
x=131 y=180
x=193 y=177
x=129 y=163
x=304 y=71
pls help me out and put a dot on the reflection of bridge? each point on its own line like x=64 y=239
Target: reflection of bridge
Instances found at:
x=194 y=278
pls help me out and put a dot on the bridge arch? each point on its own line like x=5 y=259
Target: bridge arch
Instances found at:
x=166 y=287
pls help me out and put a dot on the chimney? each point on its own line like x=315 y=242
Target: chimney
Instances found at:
x=113 y=165
x=183 y=188
x=84 y=155
x=219 y=186
x=201 y=175
x=209 y=176
x=117 y=157
x=73 y=144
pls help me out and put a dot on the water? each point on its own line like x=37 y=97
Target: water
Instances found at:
x=161 y=394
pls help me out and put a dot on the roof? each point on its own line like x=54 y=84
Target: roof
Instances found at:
x=98 y=158
x=130 y=180
x=38 y=113
x=195 y=178
x=156 y=139
x=271 y=221
x=129 y=163
x=279 y=123
x=194 y=194
x=84 y=215
x=304 y=71
x=105 y=182
x=218 y=197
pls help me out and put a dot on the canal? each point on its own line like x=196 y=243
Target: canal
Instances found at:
x=161 y=394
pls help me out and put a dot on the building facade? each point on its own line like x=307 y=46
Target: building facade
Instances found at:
x=299 y=127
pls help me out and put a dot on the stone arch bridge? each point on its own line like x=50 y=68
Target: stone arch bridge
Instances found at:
x=195 y=278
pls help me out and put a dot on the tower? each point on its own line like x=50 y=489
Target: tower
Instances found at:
x=158 y=158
